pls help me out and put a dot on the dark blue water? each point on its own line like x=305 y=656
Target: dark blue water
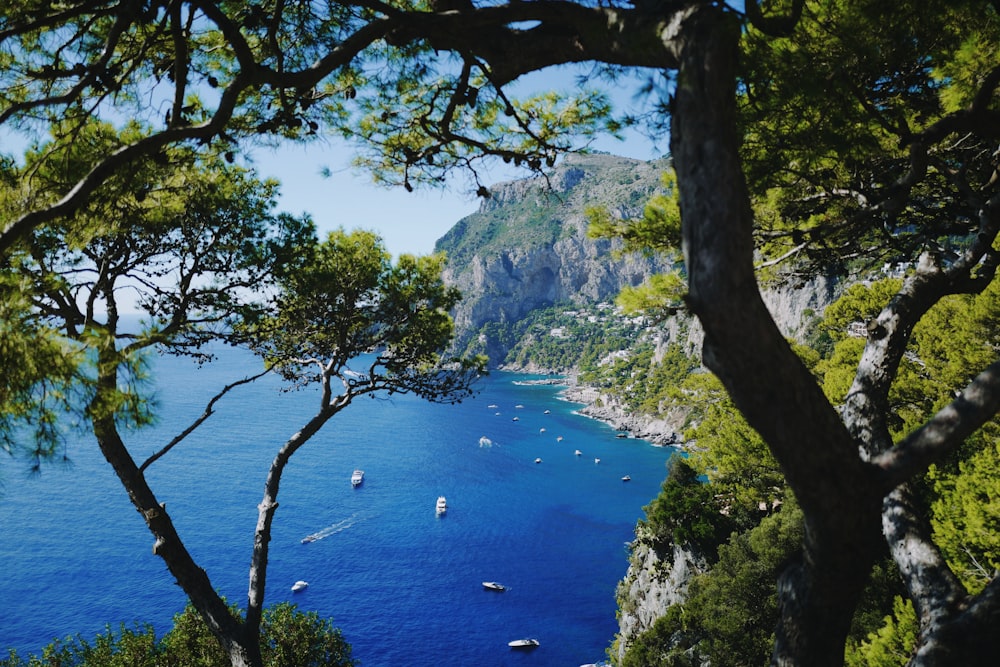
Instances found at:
x=403 y=583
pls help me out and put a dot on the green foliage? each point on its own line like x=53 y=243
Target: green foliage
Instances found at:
x=965 y=517
x=181 y=242
x=665 y=644
x=583 y=337
x=826 y=153
x=659 y=296
x=289 y=638
x=343 y=298
x=686 y=512
x=732 y=456
x=859 y=303
x=731 y=610
x=892 y=644
x=40 y=380
x=658 y=231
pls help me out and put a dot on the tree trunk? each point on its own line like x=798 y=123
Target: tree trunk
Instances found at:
x=744 y=348
x=243 y=650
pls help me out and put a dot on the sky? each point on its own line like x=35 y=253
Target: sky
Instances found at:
x=408 y=222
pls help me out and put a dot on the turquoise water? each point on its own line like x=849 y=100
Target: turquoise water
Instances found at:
x=403 y=583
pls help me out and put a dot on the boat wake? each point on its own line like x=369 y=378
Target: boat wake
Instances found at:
x=332 y=529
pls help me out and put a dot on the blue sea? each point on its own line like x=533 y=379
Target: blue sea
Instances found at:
x=403 y=583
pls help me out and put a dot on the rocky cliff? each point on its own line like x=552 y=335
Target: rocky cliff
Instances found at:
x=655 y=580
x=527 y=246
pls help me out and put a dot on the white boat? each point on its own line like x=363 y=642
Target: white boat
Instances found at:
x=538 y=460
x=597 y=460
x=357 y=477
x=523 y=643
x=494 y=586
x=442 y=505
x=626 y=478
x=578 y=453
x=300 y=586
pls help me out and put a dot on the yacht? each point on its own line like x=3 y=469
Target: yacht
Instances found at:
x=300 y=586
x=357 y=477
x=494 y=586
x=523 y=643
x=442 y=505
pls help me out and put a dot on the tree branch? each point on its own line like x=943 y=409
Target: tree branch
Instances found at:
x=209 y=411
x=976 y=405
x=932 y=586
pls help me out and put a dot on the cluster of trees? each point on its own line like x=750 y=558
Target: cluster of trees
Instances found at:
x=819 y=131
x=746 y=523
x=287 y=636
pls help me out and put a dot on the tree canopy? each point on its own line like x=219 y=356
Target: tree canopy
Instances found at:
x=836 y=133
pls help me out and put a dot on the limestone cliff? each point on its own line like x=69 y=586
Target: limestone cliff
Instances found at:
x=527 y=246
x=656 y=579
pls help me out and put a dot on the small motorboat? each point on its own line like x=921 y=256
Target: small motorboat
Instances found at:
x=538 y=460
x=578 y=453
x=494 y=586
x=300 y=586
x=626 y=478
x=442 y=505
x=597 y=460
x=547 y=412
x=523 y=643
x=357 y=477
x=622 y=435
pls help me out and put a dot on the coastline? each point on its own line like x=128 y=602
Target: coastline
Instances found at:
x=604 y=408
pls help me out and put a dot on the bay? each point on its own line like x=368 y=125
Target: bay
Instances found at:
x=402 y=582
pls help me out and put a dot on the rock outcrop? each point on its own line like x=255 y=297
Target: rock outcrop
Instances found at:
x=655 y=581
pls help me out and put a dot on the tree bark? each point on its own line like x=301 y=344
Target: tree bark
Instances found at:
x=744 y=348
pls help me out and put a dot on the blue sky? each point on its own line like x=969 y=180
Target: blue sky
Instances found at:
x=408 y=222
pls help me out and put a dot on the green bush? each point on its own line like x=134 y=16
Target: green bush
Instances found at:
x=289 y=638
x=686 y=511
